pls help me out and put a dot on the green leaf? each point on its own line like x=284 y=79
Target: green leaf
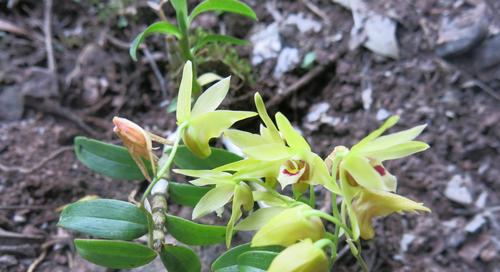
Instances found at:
x=185 y=194
x=185 y=159
x=255 y=260
x=114 y=254
x=180 y=259
x=233 y=6
x=105 y=218
x=107 y=159
x=191 y=233
x=229 y=260
x=158 y=27
x=211 y=38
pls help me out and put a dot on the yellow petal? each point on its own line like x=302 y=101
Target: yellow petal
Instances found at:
x=243 y=139
x=390 y=122
x=363 y=172
x=288 y=227
x=269 y=152
x=210 y=99
x=371 y=203
x=393 y=139
x=208 y=78
x=396 y=151
x=210 y=125
x=261 y=109
x=258 y=219
x=300 y=257
x=242 y=199
x=213 y=200
x=184 y=96
x=292 y=137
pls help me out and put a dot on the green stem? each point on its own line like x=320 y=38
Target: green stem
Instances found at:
x=360 y=259
x=272 y=191
x=165 y=167
x=323 y=243
x=330 y=218
x=336 y=214
x=312 y=197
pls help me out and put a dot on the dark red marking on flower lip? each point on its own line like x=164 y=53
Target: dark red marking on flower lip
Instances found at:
x=286 y=172
x=380 y=169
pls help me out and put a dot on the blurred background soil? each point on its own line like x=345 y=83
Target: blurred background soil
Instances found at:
x=65 y=71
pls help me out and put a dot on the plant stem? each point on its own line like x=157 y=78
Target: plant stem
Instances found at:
x=323 y=243
x=336 y=214
x=312 y=197
x=330 y=218
x=165 y=167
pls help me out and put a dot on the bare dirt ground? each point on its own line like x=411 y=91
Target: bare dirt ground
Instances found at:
x=447 y=75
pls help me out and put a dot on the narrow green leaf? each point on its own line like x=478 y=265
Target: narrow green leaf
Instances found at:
x=211 y=38
x=255 y=260
x=185 y=159
x=114 y=254
x=180 y=259
x=233 y=6
x=105 y=218
x=185 y=194
x=192 y=233
x=107 y=159
x=229 y=260
x=158 y=27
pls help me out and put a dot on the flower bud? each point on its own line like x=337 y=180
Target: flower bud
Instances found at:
x=288 y=227
x=132 y=135
x=300 y=257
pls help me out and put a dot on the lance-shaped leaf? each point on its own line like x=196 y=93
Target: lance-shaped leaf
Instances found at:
x=178 y=258
x=191 y=233
x=233 y=6
x=159 y=27
x=105 y=218
x=185 y=194
x=107 y=159
x=114 y=254
x=255 y=260
x=228 y=262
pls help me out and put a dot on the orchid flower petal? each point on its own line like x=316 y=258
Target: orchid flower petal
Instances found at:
x=271 y=128
x=371 y=203
x=208 y=126
x=390 y=122
x=268 y=152
x=258 y=219
x=243 y=139
x=242 y=199
x=396 y=151
x=292 y=137
x=210 y=99
x=363 y=172
x=390 y=140
x=213 y=200
x=184 y=96
x=202 y=173
x=320 y=173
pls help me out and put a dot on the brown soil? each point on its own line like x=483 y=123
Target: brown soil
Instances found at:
x=95 y=79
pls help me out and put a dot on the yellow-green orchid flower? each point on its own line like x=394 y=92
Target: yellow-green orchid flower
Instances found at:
x=288 y=159
x=303 y=256
x=371 y=203
x=203 y=122
x=286 y=227
x=361 y=167
x=363 y=163
x=227 y=188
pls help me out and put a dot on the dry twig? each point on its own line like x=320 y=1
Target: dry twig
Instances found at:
x=47 y=14
x=24 y=170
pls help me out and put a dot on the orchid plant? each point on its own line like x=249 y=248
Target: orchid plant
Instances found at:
x=290 y=232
